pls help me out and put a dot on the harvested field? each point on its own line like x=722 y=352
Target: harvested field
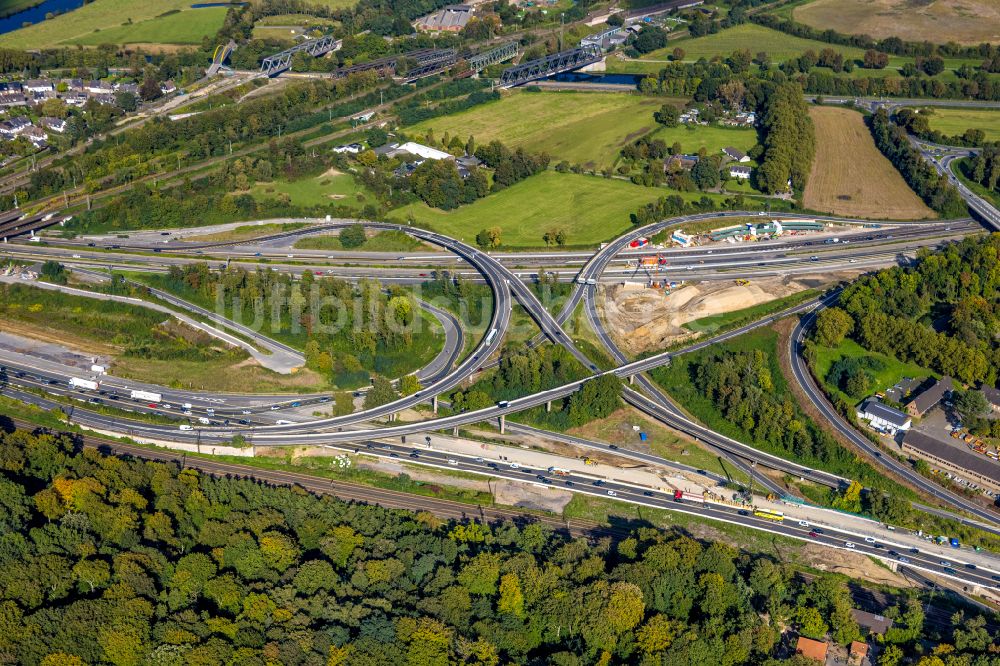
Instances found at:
x=940 y=21
x=851 y=177
x=651 y=319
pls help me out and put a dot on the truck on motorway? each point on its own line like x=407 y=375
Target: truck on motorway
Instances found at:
x=147 y=396
x=558 y=471
x=680 y=495
x=493 y=334
x=83 y=384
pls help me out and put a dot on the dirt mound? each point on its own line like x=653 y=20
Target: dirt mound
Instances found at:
x=651 y=319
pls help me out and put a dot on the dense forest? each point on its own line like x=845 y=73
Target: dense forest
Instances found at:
x=107 y=560
x=941 y=313
x=931 y=186
x=347 y=331
x=789 y=141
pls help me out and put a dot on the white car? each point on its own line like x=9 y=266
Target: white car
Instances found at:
x=612 y=493
x=514 y=465
x=869 y=539
x=283 y=422
x=848 y=544
x=803 y=523
x=452 y=461
x=246 y=411
x=185 y=426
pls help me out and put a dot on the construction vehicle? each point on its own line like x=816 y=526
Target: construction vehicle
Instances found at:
x=589 y=461
x=742 y=283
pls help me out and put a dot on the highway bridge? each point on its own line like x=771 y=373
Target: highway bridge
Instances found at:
x=16 y=223
x=222 y=53
x=502 y=281
x=557 y=63
x=281 y=61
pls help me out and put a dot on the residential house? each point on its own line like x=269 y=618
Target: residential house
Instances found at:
x=811 y=649
x=871 y=623
x=75 y=85
x=352 y=148
x=682 y=162
x=447 y=19
x=735 y=154
x=97 y=88
x=740 y=172
x=104 y=98
x=992 y=396
x=900 y=391
x=857 y=653
x=54 y=124
x=954 y=459
x=75 y=99
x=127 y=87
x=466 y=164
x=689 y=117
x=36 y=135
x=39 y=86
x=12 y=87
x=930 y=397
x=11 y=99
x=406 y=169
x=882 y=417
x=168 y=87
x=14 y=126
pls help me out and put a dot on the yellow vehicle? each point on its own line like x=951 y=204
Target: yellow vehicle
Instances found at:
x=776 y=516
x=742 y=283
x=588 y=461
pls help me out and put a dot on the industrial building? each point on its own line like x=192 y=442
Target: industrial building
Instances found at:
x=883 y=417
x=447 y=19
x=959 y=462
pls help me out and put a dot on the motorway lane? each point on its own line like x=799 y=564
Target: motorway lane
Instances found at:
x=818 y=399
x=459 y=511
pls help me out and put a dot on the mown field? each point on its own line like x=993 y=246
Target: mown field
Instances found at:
x=956 y=121
x=590 y=209
x=891 y=372
x=328 y=187
x=185 y=27
x=851 y=177
x=712 y=139
x=965 y=22
x=778 y=45
x=587 y=128
x=98 y=15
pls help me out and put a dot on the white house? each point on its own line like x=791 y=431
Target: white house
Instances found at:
x=14 y=126
x=38 y=86
x=735 y=154
x=739 y=172
x=882 y=417
x=54 y=124
x=352 y=148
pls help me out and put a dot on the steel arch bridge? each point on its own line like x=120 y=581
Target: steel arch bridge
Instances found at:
x=556 y=63
x=279 y=62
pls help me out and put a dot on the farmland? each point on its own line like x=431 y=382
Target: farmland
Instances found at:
x=851 y=177
x=951 y=122
x=100 y=15
x=580 y=127
x=588 y=208
x=966 y=22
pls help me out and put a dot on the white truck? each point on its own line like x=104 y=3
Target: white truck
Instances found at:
x=83 y=384
x=147 y=396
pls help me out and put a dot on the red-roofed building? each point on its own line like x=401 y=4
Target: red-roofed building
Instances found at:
x=811 y=649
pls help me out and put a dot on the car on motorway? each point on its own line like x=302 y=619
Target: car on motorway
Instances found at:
x=903 y=559
x=803 y=523
x=185 y=426
x=452 y=461
x=647 y=493
x=944 y=563
x=869 y=539
x=245 y=411
x=812 y=533
x=848 y=544
x=275 y=408
x=283 y=422
x=568 y=482
x=597 y=483
x=414 y=454
x=612 y=493
x=514 y=465
x=949 y=570
x=970 y=566
x=152 y=405
x=296 y=404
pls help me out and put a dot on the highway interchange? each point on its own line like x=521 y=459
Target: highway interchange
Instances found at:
x=864 y=247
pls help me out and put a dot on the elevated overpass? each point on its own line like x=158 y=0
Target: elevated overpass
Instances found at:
x=27 y=224
x=222 y=52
